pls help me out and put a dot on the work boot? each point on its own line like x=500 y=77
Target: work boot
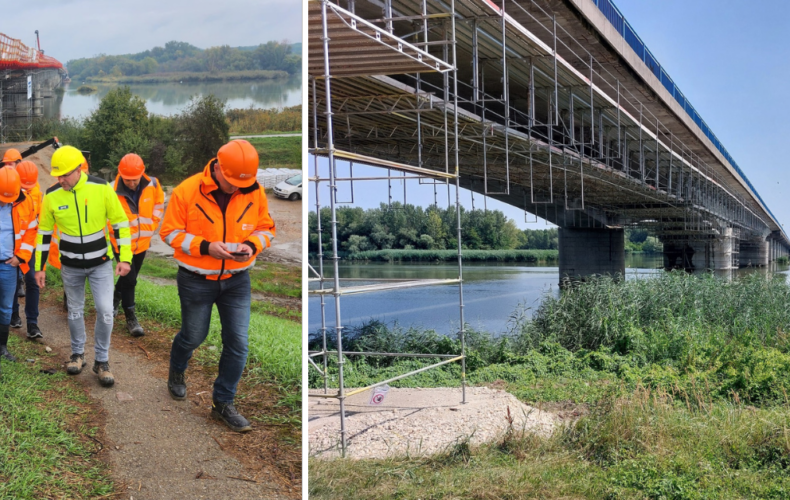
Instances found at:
x=33 y=332
x=228 y=414
x=4 y=344
x=102 y=369
x=16 y=321
x=177 y=385
x=75 y=364
x=20 y=288
x=131 y=323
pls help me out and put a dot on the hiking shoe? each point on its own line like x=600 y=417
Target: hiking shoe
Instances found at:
x=228 y=414
x=5 y=354
x=177 y=385
x=33 y=332
x=102 y=369
x=16 y=321
x=75 y=364
x=135 y=330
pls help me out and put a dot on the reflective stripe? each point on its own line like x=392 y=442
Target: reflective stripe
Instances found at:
x=198 y=270
x=172 y=236
x=42 y=248
x=145 y=234
x=261 y=234
x=232 y=247
x=84 y=239
x=45 y=233
x=240 y=269
x=17 y=237
x=25 y=246
x=55 y=239
x=263 y=241
x=159 y=206
x=33 y=224
x=145 y=220
x=124 y=241
x=86 y=256
x=158 y=213
x=185 y=244
x=22 y=232
x=121 y=224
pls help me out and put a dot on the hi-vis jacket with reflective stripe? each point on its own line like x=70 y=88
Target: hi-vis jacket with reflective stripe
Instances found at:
x=143 y=218
x=23 y=216
x=36 y=197
x=193 y=220
x=81 y=215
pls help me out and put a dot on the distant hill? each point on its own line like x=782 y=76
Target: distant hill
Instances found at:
x=184 y=57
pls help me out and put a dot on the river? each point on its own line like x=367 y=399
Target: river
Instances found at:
x=492 y=293
x=171 y=98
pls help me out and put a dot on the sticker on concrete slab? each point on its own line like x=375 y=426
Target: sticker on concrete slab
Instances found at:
x=123 y=396
x=379 y=393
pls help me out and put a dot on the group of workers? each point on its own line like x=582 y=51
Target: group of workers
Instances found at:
x=217 y=222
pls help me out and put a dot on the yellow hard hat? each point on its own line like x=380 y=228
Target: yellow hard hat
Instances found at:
x=65 y=160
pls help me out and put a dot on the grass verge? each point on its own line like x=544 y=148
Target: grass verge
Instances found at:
x=278 y=152
x=47 y=447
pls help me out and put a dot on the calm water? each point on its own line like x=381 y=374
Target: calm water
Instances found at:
x=492 y=292
x=171 y=98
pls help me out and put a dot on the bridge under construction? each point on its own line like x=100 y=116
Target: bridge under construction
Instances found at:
x=554 y=106
x=27 y=79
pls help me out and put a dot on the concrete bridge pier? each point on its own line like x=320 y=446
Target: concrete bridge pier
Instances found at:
x=590 y=252
x=699 y=254
x=754 y=253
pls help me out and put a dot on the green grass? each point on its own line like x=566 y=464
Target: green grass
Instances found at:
x=265 y=277
x=682 y=383
x=279 y=152
x=40 y=455
x=275 y=345
x=451 y=255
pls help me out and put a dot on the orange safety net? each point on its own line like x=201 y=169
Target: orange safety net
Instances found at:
x=16 y=55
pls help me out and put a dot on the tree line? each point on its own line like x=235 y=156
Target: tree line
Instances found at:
x=172 y=147
x=412 y=227
x=184 y=57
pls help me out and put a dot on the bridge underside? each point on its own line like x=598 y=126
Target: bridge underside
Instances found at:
x=537 y=115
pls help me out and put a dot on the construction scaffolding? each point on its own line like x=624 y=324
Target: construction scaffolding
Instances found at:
x=343 y=48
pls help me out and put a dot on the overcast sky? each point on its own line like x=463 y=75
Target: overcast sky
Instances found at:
x=72 y=29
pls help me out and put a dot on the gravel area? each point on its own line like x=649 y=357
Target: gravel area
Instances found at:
x=418 y=421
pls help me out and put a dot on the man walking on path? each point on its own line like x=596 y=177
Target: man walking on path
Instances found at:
x=217 y=221
x=81 y=205
x=28 y=176
x=143 y=201
x=17 y=235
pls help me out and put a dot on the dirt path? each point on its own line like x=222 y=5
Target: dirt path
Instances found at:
x=159 y=448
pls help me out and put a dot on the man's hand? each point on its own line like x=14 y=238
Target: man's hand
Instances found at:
x=41 y=277
x=122 y=269
x=13 y=261
x=242 y=248
x=219 y=250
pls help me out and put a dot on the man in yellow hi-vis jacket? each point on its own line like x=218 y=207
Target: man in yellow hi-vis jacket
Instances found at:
x=81 y=205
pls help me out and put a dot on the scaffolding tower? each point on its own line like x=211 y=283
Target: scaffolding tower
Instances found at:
x=343 y=48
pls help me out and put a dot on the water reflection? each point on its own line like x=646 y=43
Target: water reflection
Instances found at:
x=170 y=98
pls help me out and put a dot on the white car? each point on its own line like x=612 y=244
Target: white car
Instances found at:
x=289 y=188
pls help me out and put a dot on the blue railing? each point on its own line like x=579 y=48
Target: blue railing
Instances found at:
x=622 y=26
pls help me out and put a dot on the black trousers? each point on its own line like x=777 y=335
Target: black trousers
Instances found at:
x=124 y=287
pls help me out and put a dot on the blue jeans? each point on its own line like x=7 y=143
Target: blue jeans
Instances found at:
x=8 y=275
x=100 y=279
x=232 y=297
x=31 y=298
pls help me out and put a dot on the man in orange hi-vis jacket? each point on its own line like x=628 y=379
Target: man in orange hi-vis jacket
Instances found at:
x=217 y=221
x=143 y=201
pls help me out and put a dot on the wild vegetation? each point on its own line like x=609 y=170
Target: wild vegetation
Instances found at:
x=181 y=57
x=171 y=147
x=678 y=387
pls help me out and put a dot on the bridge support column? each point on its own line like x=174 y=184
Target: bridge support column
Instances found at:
x=589 y=252
x=754 y=253
x=722 y=251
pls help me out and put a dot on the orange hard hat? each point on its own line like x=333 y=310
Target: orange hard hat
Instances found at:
x=28 y=174
x=84 y=166
x=131 y=167
x=238 y=162
x=11 y=155
x=9 y=185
